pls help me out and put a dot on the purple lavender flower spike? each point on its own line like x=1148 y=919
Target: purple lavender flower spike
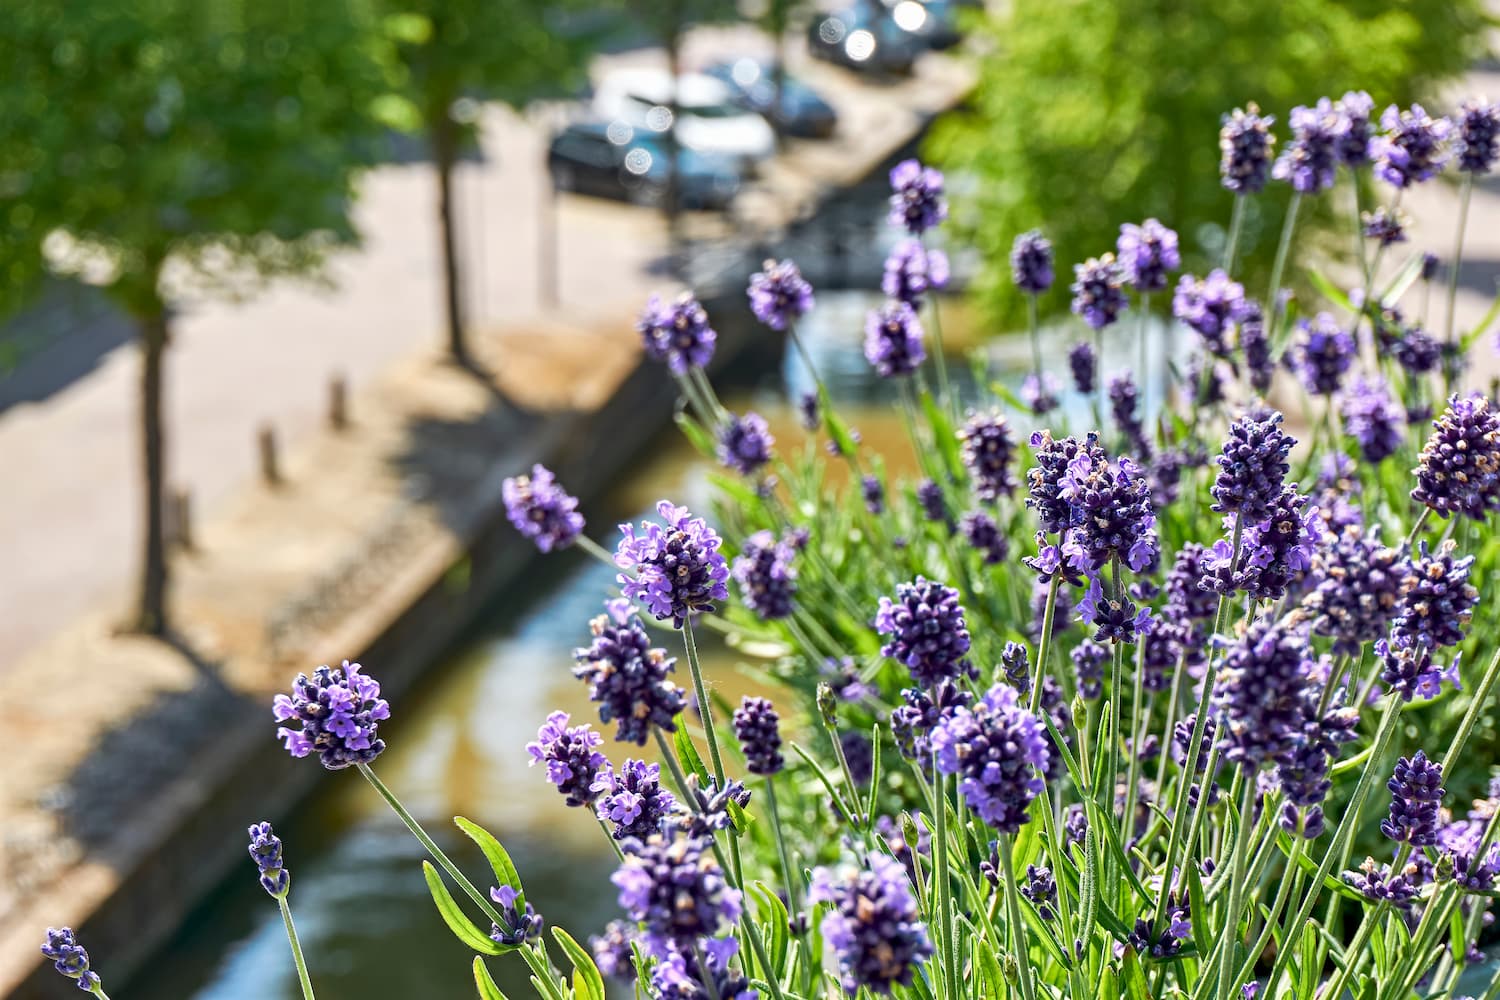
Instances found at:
x=1374 y=418
x=1310 y=159
x=984 y=536
x=1039 y=392
x=1260 y=690
x=1115 y=619
x=1031 y=262
x=779 y=295
x=677 y=333
x=1412 y=146
x=988 y=451
x=934 y=504
x=1377 y=883
x=1185 y=599
x=69 y=959
x=1124 y=405
x=673 y=569
x=1358 y=592
x=1409 y=672
x=1386 y=228
x=1252 y=465
x=1211 y=307
x=1111 y=514
x=1245 y=149
x=1416 y=793
x=1459 y=469
x=340 y=710
x=1478 y=141
x=628 y=678
x=912 y=270
x=612 y=951
x=808 y=414
x=1040 y=890
x=687 y=976
x=913 y=720
x=999 y=752
x=1255 y=341
x=917 y=203
x=1099 y=291
x=766 y=577
x=1048 y=490
x=928 y=633
x=745 y=444
x=671 y=884
x=571 y=755
x=1084 y=365
x=873 y=926
x=542 y=510
x=1437 y=599
x=1089 y=658
x=1278 y=550
x=873 y=493
x=757 y=727
x=894 y=340
x=631 y=799
x=1324 y=354
x=265 y=850
x=1353 y=129
x=1147 y=253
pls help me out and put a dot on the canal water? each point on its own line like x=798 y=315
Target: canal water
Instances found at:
x=366 y=921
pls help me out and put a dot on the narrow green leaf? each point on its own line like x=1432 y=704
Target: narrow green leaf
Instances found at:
x=484 y=984
x=588 y=984
x=1135 y=979
x=688 y=755
x=696 y=435
x=460 y=925
x=1484 y=323
x=1196 y=908
x=500 y=863
x=1088 y=892
x=870 y=802
x=776 y=916
x=1329 y=290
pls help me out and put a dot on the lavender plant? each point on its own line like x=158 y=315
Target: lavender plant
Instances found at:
x=1044 y=718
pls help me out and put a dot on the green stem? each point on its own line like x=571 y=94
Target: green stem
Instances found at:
x=940 y=884
x=781 y=851
x=1283 y=247
x=704 y=708
x=1231 y=933
x=291 y=938
x=597 y=551
x=1044 y=642
x=1466 y=189
x=1232 y=242
x=1338 y=846
x=1013 y=917
x=1143 y=373
x=939 y=361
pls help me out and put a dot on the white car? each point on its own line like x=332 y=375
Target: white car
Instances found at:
x=708 y=121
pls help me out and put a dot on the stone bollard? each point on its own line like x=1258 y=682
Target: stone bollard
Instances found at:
x=338 y=402
x=270 y=467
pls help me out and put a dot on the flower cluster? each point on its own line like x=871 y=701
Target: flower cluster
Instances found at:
x=1324 y=353
x=631 y=798
x=1245 y=149
x=1147 y=254
x=916 y=197
x=779 y=295
x=1309 y=161
x=872 y=924
x=674 y=568
x=757 y=727
x=69 y=959
x=1459 y=470
x=1416 y=791
x=912 y=270
x=1252 y=465
x=520 y=925
x=265 y=850
x=893 y=340
x=999 y=752
x=928 y=633
x=671 y=884
x=340 y=710
x=1099 y=291
x=745 y=444
x=677 y=333
x=1211 y=307
x=987 y=450
x=571 y=755
x=1031 y=262
x=542 y=510
x=1411 y=147
x=766 y=577
x=627 y=676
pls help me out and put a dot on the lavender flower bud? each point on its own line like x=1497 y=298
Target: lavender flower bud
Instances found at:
x=1099 y=291
x=1031 y=262
x=984 y=536
x=874 y=494
x=541 y=510
x=673 y=886
x=632 y=799
x=1148 y=253
x=745 y=444
x=571 y=755
x=1386 y=228
x=1437 y=600
x=1412 y=146
x=1211 y=307
x=69 y=959
x=1245 y=149
x=998 y=750
x=893 y=340
x=1459 y=469
x=1352 y=129
x=766 y=576
x=1084 y=366
x=912 y=270
x=1324 y=353
x=1478 y=142
x=677 y=333
x=988 y=451
x=1039 y=392
x=1416 y=792
x=1310 y=159
x=928 y=633
x=756 y=726
x=917 y=202
x=628 y=678
x=1374 y=418
x=779 y=295
x=265 y=850
x=1259 y=691
x=1252 y=466
x=1358 y=592
x=1089 y=658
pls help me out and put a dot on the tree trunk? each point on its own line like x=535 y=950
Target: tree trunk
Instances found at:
x=444 y=156
x=151 y=614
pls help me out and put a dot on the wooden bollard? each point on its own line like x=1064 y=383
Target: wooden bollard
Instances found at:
x=338 y=402
x=270 y=468
x=180 y=518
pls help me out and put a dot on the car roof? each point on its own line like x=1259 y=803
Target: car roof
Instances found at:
x=656 y=85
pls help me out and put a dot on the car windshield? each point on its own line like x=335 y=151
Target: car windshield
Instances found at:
x=711 y=110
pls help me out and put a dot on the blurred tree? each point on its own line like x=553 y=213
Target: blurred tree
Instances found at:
x=458 y=52
x=1092 y=114
x=169 y=147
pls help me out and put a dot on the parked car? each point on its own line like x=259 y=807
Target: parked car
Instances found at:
x=935 y=22
x=708 y=121
x=866 y=37
x=752 y=85
x=615 y=160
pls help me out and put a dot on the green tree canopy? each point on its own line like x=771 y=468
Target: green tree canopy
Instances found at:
x=217 y=139
x=1092 y=114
